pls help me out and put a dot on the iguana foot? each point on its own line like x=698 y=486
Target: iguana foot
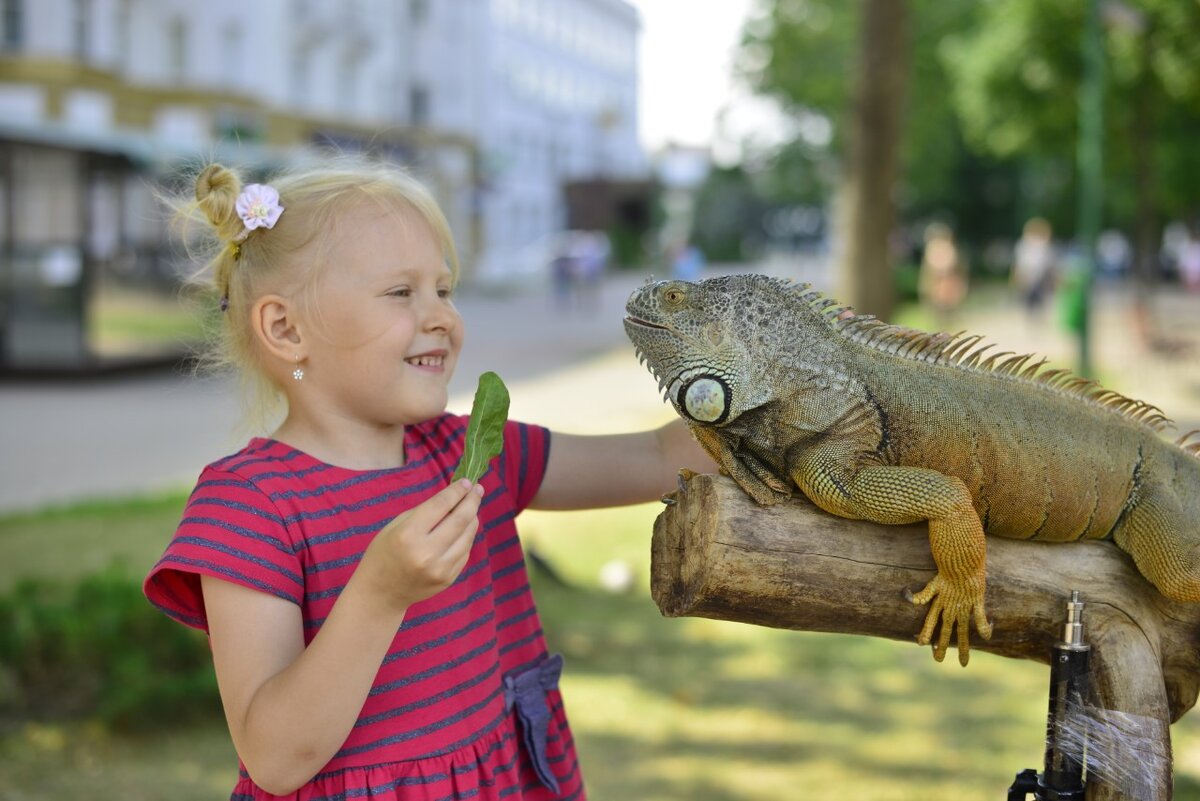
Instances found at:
x=954 y=603
x=685 y=475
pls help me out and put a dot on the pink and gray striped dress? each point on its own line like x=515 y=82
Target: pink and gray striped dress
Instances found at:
x=465 y=705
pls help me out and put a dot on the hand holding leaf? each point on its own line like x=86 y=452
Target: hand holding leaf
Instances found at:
x=485 y=431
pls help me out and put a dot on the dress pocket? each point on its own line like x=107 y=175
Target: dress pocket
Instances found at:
x=526 y=692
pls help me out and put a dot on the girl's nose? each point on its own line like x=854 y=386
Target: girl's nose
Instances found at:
x=440 y=314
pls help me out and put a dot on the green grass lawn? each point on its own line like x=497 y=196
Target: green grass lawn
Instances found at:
x=661 y=708
x=123 y=321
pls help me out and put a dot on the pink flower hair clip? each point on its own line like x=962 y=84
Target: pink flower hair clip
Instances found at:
x=258 y=206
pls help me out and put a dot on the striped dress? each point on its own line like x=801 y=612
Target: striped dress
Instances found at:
x=467 y=696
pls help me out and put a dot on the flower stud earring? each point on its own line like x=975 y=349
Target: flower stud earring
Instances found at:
x=298 y=373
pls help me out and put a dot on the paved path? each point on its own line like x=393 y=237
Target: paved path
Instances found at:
x=68 y=440
x=571 y=369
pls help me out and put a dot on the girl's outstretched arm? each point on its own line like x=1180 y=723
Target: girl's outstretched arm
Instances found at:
x=289 y=707
x=618 y=469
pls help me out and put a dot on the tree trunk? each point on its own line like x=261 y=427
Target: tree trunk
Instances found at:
x=867 y=203
x=717 y=554
x=1146 y=229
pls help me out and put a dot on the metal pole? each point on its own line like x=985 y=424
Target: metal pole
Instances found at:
x=1064 y=776
x=1090 y=167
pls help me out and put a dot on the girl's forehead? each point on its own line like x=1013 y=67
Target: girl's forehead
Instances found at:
x=376 y=239
x=380 y=217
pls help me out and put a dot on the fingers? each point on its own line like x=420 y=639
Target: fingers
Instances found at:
x=462 y=519
x=454 y=535
x=432 y=511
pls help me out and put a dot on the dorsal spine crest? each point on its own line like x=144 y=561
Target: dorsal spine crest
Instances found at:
x=970 y=353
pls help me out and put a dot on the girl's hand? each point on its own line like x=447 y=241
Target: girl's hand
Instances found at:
x=422 y=551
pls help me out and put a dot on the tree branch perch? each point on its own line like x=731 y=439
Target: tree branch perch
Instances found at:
x=716 y=554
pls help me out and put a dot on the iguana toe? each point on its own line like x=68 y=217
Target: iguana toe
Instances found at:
x=685 y=475
x=954 y=605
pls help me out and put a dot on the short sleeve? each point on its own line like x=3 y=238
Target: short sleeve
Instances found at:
x=230 y=530
x=523 y=460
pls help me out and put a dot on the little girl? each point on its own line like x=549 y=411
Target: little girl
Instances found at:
x=371 y=624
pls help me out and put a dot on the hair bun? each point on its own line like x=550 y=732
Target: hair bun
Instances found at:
x=216 y=192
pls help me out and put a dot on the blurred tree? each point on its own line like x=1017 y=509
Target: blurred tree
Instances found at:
x=990 y=132
x=801 y=52
x=727 y=220
x=867 y=205
x=1014 y=106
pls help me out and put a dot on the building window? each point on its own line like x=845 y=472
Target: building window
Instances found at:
x=418 y=104
x=12 y=23
x=418 y=11
x=81 y=28
x=177 y=48
x=231 y=44
x=124 y=32
x=348 y=81
x=298 y=75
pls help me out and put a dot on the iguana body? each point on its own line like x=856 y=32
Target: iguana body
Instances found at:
x=786 y=389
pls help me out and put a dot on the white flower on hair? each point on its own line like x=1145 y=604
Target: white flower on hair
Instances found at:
x=258 y=206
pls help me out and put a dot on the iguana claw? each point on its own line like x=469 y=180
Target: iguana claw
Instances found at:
x=685 y=475
x=955 y=604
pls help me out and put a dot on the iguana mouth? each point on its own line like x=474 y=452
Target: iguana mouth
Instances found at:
x=644 y=323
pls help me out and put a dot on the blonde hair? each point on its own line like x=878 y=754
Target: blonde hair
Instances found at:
x=268 y=259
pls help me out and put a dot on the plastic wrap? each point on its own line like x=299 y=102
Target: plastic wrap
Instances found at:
x=1130 y=753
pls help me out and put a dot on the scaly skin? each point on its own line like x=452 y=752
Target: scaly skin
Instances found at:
x=786 y=389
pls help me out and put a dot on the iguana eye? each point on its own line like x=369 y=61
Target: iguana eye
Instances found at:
x=673 y=296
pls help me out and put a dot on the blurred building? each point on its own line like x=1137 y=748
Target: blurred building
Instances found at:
x=547 y=89
x=497 y=104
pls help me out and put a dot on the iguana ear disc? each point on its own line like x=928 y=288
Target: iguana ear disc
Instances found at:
x=706 y=400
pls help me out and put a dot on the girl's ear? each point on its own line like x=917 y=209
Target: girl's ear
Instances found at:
x=277 y=328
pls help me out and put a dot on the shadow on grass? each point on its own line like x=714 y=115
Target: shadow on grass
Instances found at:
x=882 y=711
x=1187 y=788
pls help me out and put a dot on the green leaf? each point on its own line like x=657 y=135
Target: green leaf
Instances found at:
x=485 y=431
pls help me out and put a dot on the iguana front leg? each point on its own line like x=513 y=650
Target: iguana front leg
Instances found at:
x=898 y=495
x=750 y=474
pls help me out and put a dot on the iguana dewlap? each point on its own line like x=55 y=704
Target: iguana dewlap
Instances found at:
x=786 y=389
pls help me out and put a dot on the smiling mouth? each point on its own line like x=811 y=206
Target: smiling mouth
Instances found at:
x=427 y=361
x=644 y=323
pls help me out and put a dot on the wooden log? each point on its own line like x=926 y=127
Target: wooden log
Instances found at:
x=717 y=554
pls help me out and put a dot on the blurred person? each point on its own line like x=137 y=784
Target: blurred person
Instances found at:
x=1034 y=264
x=942 y=283
x=1189 y=260
x=591 y=250
x=687 y=261
x=371 y=623
x=564 y=274
x=1113 y=253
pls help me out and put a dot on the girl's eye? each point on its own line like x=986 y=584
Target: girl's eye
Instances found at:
x=445 y=294
x=402 y=292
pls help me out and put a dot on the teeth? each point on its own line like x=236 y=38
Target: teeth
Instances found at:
x=426 y=361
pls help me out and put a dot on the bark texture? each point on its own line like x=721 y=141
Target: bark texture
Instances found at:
x=717 y=554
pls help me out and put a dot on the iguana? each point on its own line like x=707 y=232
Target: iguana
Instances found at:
x=785 y=388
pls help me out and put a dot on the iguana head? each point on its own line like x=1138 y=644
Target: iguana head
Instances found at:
x=699 y=340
